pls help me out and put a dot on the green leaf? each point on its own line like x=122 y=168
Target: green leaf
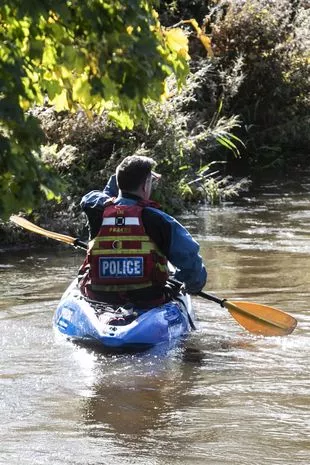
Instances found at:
x=123 y=119
x=91 y=55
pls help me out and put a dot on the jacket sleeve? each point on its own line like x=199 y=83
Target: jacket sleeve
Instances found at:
x=93 y=202
x=180 y=248
x=96 y=199
x=184 y=255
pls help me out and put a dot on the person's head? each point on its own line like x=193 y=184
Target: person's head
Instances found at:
x=134 y=175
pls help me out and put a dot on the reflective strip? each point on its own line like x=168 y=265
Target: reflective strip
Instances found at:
x=108 y=222
x=144 y=248
x=128 y=221
x=119 y=287
x=146 y=244
x=121 y=238
x=132 y=221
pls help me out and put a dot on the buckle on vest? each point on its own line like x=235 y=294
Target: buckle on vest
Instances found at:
x=119 y=221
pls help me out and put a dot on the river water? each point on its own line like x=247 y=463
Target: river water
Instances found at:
x=223 y=397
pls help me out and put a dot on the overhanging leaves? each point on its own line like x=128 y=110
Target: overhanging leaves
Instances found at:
x=87 y=54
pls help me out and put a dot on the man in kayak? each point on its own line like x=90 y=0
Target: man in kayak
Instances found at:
x=132 y=241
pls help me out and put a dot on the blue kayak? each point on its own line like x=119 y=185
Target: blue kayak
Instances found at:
x=96 y=323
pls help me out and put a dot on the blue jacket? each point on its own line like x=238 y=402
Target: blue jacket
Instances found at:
x=172 y=238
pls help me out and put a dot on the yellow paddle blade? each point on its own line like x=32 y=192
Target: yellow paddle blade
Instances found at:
x=44 y=232
x=261 y=319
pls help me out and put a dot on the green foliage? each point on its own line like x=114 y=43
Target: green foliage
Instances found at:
x=91 y=54
x=261 y=73
x=23 y=177
x=95 y=55
x=182 y=137
x=262 y=51
x=188 y=140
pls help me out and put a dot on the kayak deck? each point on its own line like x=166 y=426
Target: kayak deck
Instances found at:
x=97 y=323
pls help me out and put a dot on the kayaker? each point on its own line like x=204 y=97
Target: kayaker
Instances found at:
x=132 y=240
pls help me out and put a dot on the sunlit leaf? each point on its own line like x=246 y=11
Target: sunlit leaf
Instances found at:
x=49 y=194
x=177 y=41
x=205 y=40
x=49 y=55
x=122 y=119
x=81 y=90
x=61 y=101
x=228 y=144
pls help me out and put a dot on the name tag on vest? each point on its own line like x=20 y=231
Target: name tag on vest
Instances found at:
x=120 y=267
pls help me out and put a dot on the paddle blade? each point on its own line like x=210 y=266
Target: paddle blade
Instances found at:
x=261 y=319
x=20 y=221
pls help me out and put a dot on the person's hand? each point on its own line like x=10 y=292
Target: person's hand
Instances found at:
x=172 y=290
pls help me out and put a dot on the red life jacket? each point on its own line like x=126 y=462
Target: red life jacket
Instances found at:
x=122 y=257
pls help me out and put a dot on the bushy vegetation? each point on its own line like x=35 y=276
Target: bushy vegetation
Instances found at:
x=261 y=71
x=266 y=46
x=89 y=54
x=244 y=111
x=181 y=138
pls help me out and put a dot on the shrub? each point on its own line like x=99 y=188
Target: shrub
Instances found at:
x=183 y=135
x=267 y=44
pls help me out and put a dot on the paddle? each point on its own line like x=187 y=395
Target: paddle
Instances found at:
x=44 y=232
x=256 y=318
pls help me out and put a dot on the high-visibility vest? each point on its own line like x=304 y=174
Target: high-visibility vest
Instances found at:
x=122 y=257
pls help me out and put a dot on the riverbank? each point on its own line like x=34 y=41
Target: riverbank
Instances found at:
x=70 y=220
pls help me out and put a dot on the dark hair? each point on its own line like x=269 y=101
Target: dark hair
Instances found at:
x=133 y=171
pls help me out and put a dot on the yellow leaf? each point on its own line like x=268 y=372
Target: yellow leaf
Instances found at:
x=129 y=30
x=60 y=101
x=81 y=91
x=155 y=14
x=65 y=72
x=49 y=55
x=177 y=41
x=25 y=104
x=206 y=42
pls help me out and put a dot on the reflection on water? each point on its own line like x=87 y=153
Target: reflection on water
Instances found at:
x=222 y=396
x=136 y=398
